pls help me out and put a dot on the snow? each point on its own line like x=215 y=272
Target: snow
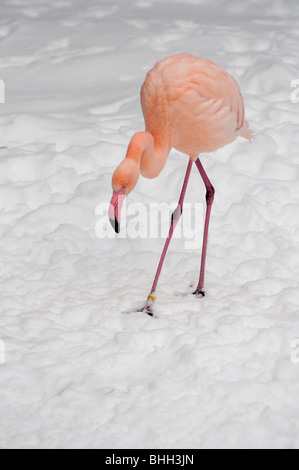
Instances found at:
x=215 y=372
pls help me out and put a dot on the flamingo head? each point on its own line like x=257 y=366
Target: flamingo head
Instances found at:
x=123 y=182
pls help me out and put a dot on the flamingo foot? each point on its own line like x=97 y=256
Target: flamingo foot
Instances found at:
x=199 y=293
x=147 y=309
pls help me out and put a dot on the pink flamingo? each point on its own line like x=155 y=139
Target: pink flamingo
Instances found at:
x=194 y=106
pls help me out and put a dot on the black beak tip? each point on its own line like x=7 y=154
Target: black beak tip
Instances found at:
x=115 y=225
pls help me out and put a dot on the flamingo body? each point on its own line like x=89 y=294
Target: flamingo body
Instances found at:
x=193 y=105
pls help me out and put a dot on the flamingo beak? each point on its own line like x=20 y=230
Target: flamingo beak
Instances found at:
x=115 y=208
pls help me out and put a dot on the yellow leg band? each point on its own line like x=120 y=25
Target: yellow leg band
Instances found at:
x=151 y=297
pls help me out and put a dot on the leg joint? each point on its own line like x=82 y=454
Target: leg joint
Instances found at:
x=177 y=213
x=210 y=195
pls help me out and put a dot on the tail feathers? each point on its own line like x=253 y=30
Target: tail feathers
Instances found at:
x=246 y=132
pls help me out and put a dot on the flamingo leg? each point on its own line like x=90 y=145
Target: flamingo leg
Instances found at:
x=174 y=221
x=209 y=198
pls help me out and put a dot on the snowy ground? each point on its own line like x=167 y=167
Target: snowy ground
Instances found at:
x=214 y=372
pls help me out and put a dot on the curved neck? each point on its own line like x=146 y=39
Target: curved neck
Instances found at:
x=150 y=156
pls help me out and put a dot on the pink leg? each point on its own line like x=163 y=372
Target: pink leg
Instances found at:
x=209 y=198
x=174 y=220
